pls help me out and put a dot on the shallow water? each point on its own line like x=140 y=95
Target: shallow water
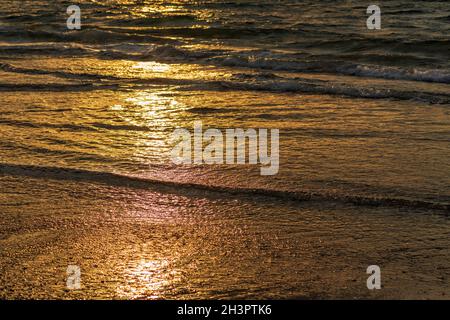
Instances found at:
x=86 y=118
x=163 y=243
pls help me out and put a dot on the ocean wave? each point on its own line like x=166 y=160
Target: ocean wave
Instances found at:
x=209 y=110
x=173 y=52
x=61 y=74
x=364 y=44
x=116 y=127
x=74 y=155
x=168 y=53
x=326 y=87
x=159 y=20
x=86 y=36
x=239 y=82
x=220 y=32
x=31 y=124
x=267 y=60
x=114 y=179
x=433 y=75
x=46 y=49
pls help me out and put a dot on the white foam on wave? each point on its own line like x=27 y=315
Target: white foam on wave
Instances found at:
x=415 y=74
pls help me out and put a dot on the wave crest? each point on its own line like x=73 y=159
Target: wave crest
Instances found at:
x=114 y=179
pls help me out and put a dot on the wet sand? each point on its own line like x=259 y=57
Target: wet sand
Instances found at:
x=363 y=117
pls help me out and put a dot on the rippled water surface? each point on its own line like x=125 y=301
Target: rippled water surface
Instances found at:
x=85 y=171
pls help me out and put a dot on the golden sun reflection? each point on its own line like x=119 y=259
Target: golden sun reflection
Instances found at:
x=148 y=279
x=154 y=103
x=156 y=112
